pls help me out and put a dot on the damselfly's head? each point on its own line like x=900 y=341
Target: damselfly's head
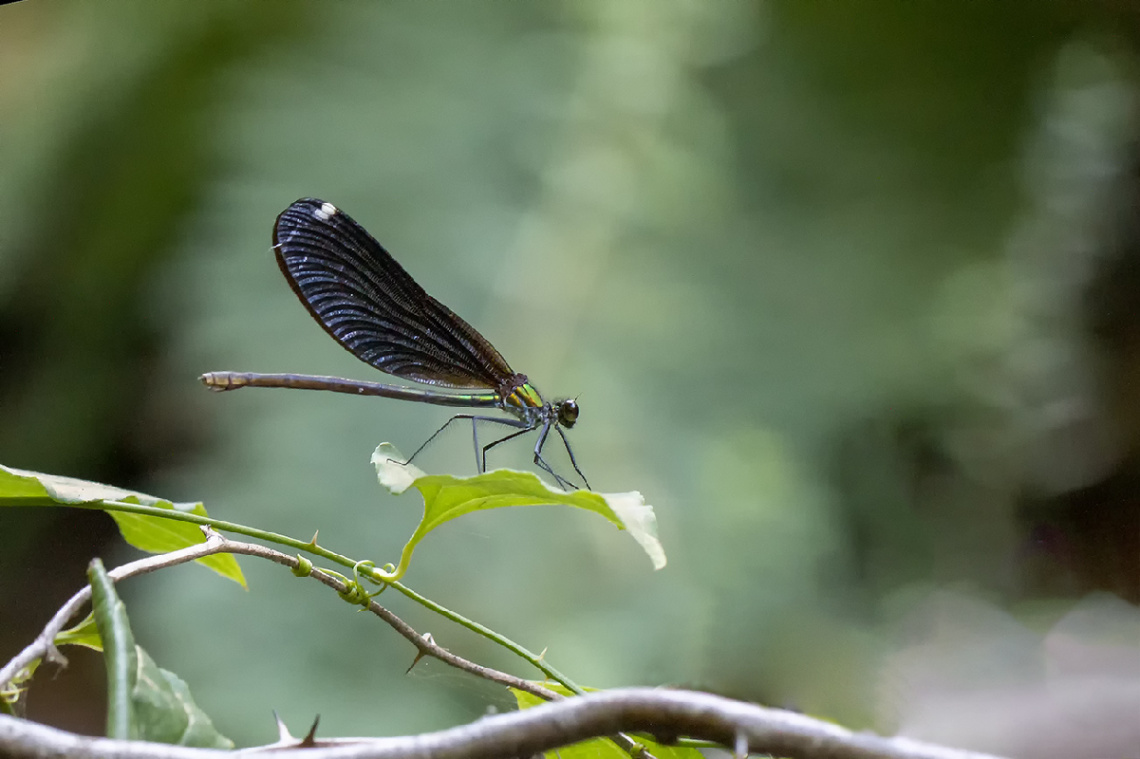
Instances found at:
x=567 y=412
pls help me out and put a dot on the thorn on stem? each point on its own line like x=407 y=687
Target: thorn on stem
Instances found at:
x=310 y=739
x=740 y=750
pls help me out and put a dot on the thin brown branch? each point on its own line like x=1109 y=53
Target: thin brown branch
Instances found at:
x=423 y=643
x=43 y=645
x=215 y=543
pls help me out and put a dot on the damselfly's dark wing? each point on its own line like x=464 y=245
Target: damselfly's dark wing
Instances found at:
x=372 y=307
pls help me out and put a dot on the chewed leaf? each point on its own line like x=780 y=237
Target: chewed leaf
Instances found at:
x=147 y=533
x=640 y=520
x=393 y=474
x=447 y=497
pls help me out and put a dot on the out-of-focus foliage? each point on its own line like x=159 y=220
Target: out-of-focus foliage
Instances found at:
x=842 y=289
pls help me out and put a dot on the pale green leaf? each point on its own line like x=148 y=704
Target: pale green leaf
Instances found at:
x=447 y=497
x=86 y=633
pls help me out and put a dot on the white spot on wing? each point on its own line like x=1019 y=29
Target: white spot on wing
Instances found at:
x=325 y=212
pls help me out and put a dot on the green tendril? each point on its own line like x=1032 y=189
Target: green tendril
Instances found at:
x=304 y=567
x=355 y=594
x=354 y=591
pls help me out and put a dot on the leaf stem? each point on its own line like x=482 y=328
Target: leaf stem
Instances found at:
x=536 y=660
x=219 y=524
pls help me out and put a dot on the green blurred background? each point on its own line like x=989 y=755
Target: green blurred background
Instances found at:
x=848 y=291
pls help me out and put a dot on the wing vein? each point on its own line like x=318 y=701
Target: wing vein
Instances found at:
x=366 y=301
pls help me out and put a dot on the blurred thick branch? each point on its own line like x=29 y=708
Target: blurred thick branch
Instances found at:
x=665 y=713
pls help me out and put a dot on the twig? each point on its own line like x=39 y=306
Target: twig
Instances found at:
x=523 y=653
x=423 y=643
x=44 y=646
x=665 y=713
x=311 y=547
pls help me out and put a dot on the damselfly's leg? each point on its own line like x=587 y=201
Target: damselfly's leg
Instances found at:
x=435 y=434
x=481 y=463
x=562 y=481
x=523 y=429
x=570 y=453
x=474 y=418
x=475 y=445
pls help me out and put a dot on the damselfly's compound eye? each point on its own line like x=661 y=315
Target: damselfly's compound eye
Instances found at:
x=568 y=412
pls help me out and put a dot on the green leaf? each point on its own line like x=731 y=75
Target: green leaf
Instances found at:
x=167 y=713
x=600 y=748
x=147 y=533
x=118 y=653
x=144 y=701
x=86 y=633
x=447 y=497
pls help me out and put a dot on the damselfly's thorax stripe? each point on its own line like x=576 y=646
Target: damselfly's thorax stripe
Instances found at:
x=519 y=393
